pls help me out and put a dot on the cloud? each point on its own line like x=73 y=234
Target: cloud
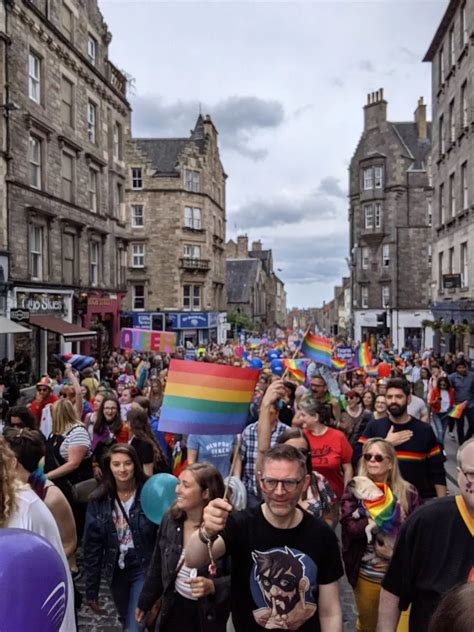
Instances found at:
x=303 y=109
x=330 y=186
x=366 y=65
x=337 y=81
x=238 y=119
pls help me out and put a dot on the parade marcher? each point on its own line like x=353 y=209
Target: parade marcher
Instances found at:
x=419 y=454
x=320 y=392
x=21 y=417
x=21 y=508
x=380 y=408
x=285 y=562
x=355 y=418
x=417 y=408
x=44 y=397
x=142 y=439
x=191 y=599
x=441 y=401
x=366 y=563
x=118 y=537
x=434 y=552
x=462 y=380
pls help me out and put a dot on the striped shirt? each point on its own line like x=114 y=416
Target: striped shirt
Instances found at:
x=78 y=436
x=185 y=573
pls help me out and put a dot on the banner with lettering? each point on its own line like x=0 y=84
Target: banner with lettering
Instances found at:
x=147 y=340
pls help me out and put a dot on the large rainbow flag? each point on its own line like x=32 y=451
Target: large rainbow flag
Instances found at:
x=362 y=356
x=205 y=398
x=457 y=411
x=297 y=368
x=317 y=349
x=384 y=511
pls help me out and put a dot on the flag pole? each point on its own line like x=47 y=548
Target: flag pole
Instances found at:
x=308 y=329
x=232 y=467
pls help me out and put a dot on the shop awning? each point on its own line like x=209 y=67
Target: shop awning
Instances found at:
x=7 y=326
x=69 y=331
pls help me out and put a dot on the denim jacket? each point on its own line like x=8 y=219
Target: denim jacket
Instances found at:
x=101 y=546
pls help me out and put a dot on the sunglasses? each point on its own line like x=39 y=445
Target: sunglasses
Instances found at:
x=377 y=457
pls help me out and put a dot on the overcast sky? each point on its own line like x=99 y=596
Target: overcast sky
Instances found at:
x=285 y=83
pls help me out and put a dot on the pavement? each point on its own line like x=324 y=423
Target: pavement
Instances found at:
x=90 y=622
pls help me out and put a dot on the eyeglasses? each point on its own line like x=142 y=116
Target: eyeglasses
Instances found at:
x=469 y=475
x=289 y=484
x=377 y=457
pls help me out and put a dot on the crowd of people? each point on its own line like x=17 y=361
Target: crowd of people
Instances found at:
x=341 y=474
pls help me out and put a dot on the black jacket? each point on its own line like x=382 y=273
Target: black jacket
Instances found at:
x=160 y=580
x=101 y=546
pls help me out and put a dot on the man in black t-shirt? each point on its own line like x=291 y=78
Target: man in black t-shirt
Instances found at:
x=285 y=562
x=434 y=553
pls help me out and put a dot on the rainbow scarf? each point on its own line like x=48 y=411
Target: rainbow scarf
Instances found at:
x=297 y=369
x=384 y=511
x=457 y=411
x=317 y=349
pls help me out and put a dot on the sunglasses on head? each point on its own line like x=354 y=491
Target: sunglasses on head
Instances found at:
x=377 y=457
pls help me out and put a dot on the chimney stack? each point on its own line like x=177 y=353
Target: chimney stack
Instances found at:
x=375 y=111
x=257 y=245
x=420 y=120
x=242 y=247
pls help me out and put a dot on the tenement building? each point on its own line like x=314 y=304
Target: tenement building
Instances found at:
x=63 y=235
x=176 y=213
x=451 y=54
x=390 y=226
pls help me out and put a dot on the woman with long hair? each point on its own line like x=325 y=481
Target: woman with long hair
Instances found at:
x=119 y=537
x=68 y=456
x=21 y=417
x=109 y=420
x=441 y=401
x=20 y=508
x=355 y=418
x=154 y=392
x=366 y=562
x=144 y=442
x=191 y=600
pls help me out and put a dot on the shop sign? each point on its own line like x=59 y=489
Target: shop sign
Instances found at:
x=100 y=301
x=147 y=340
x=194 y=320
x=19 y=315
x=42 y=303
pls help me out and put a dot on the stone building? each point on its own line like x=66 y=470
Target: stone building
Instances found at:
x=255 y=290
x=451 y=54
x=62 y=175
x=390 y=225
x=175 y=201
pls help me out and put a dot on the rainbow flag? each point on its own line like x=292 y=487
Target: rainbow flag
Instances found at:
x=338 y=364
x=280 y=346
x=297 y=369
x=384 y=511
x=205 y=398
x=363 y=356
x=371 y=371
x=317 y=349
x=457 y=411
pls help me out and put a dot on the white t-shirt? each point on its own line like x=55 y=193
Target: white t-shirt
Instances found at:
x=444 y=401
x=33 y=515
x=417 y=407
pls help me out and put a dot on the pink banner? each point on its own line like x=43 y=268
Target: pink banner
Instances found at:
x=148 y=340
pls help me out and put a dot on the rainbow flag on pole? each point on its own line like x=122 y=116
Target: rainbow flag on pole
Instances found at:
x=205 y=398
x=297 y=369
x=317 y=349
x=338 y=364
x=362 y=356
x=384 y=511
x=457 y=411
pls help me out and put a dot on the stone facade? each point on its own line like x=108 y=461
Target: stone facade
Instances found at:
x=176 y=216
x=390 y=224
x=451 y=54
x=62 y=168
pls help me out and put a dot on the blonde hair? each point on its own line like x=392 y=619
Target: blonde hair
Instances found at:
x=399 y=486
x=9 y=483
x=64 y=416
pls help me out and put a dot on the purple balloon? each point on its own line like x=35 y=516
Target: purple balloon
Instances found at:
x=33 y=583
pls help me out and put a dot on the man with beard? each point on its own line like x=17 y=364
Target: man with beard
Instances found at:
x=285 y=562
x=420 y=457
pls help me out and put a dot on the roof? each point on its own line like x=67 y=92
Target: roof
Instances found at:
x=441 y=30
x=241 y=276
x=265 y=257
x=69 y=331
x=419 y=149
x=163 y=153
x=7 y=326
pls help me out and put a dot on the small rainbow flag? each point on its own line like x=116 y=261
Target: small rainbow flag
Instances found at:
x=317 y=349
x=280 y=346
x=338 y=364
x=371 y=371
x=457 y=411
x=205 y=398
x=297 y=369
x=384 y=511
x=363 y=356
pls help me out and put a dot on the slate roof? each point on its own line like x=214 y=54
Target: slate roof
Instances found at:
x=419 y=149
x=163 y=153
x=241 y=276
x=265 y=257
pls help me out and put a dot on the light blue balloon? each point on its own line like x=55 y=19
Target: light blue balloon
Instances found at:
x=256 y=363
x=276 y=366
x=158 y=494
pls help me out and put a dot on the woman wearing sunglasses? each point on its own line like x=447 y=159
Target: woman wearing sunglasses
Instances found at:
x=366 y=563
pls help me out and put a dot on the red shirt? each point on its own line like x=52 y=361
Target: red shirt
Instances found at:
x=328 y=453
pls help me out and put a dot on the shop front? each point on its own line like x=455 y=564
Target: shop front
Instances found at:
x=101 y=313
x=48 y=314
x=453 y=327
x=197 y=328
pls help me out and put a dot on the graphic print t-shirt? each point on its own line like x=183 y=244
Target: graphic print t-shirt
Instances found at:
x=214 y=449
x=276 y=572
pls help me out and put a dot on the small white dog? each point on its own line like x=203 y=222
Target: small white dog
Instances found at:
x=364 y=488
